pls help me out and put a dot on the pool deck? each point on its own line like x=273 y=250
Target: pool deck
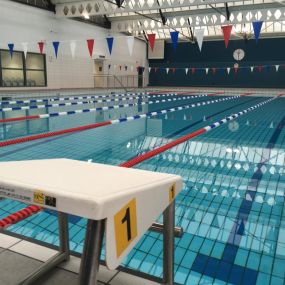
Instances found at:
x=18 y=258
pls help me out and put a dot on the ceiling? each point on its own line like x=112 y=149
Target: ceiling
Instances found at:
x=140 y=17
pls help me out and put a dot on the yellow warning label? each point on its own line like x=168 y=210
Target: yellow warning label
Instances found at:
x=125 y=226
x=172 y=193
x=39 y=197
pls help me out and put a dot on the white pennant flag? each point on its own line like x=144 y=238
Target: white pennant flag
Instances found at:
x=130 y=42
x=251 y=68
x=167 y=70
x=277 y=67
x=228 y=69
x=207 y=70
x=72 y=48
x=199 y=34
x=186 y=70
x=25 y=48
x=149 y=69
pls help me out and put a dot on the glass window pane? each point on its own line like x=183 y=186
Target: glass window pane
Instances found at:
x=13 y=78
x=35 y=78
x=16 y=61
x=35 y=61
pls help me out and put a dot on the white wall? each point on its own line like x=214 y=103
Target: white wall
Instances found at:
x=21 y=23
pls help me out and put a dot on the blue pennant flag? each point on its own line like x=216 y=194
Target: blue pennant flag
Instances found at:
x=174 y=38
x=267 y=67
x=110 y=42
x=257 y=25
x=55 y=46
x=11 y=49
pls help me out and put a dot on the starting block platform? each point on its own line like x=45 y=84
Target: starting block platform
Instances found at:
x=119 y=202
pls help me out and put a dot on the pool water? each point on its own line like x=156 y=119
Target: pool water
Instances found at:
x=232 y=204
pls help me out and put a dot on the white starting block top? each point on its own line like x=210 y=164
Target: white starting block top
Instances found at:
x=129 y=199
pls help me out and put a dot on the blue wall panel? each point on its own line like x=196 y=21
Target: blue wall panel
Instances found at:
x=214 y=54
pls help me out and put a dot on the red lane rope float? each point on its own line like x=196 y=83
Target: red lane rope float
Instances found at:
x=53 y=134
x=9 y=120
x=19 y=216
x=161 y=149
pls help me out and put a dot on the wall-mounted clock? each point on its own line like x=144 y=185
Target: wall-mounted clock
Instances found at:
x=238 y=54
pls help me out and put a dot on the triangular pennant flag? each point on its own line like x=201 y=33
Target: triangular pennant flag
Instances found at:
x=200 y=36
x=120 y=67
x=11 y=49
x=260 y=68
x=173 y=70
x=193 y=69
x=277 y=67
x=228 y=70
x=156 y=69
x=41 y=47
x=227 y=34
x=251 y=68
x=186 y=70
x=257 y=25
x=268 y=67
x=109 y=66
x=149 y=69
x=236 y=69
x=72 y=48
x=55 y=46
x=207 y=70
x=90 y=45
x=174 y=38
x=214 y=69
x=25 y=49
x=271 y=125
x=110 y=42
x=126 y=67
x=130 y=43
x=167 y=70
x=151 y=40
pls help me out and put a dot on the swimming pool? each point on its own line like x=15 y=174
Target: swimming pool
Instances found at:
x=231 y=208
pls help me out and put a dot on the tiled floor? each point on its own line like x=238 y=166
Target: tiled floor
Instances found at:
x=18 y=258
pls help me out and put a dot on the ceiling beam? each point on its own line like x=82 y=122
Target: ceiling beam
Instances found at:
x=202 y=17
x=103 y=7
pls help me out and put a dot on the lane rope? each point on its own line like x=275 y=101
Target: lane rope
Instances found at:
x=201 y=131
x=91 y=110
x=111 y=122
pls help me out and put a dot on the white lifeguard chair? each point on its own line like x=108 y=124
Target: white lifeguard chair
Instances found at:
x=121 y=202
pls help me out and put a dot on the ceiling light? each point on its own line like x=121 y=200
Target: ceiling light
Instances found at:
x=86 y=16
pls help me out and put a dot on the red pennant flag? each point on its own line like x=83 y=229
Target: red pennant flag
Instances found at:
x=41 y=47
x=235 y=70
x=193 y=69
x=155 y=70
x=260 y=68
x=173 y=70
x=151 y=40
x=120 y=67
x=227 y=30
x=90 y=44
x=214 y=70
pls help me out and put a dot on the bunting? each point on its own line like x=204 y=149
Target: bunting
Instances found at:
x=186 y=70
x=257 y=25
x=130 y=43
x=167 y=70
x=56 y=46
x=41 y=47
x=174 y=37
x=207 y=70
x=199 y=34
x=227 y=30
x=90 y=45
x=72 y=48
x=25 y=49
x=228 y=70
x=11 y=49
x=277 y=67
x=151 y=40
x=110 y=42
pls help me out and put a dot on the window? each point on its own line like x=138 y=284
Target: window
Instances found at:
x=16 y=71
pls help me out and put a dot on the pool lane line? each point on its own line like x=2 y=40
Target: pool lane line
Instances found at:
x=111 y=122
x=52 y=99
x=210 y=265
x=196 y=133
x=91 y=110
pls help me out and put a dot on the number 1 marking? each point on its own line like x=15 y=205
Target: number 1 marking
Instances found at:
x=127 y=218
